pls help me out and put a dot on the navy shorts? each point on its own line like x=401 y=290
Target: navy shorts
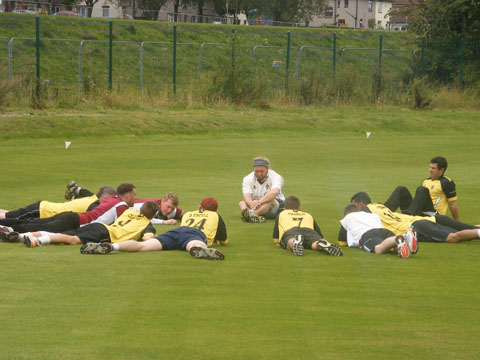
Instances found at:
x=177 y=239
x=374 y=237
x=309 y=236
x=94 y=232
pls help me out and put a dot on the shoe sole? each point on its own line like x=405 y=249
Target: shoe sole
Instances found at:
x=10 y=237
x=206 y=253
x=28 y=242
x=413 y=244
x=404 y=251
x=331 y=249
x=298 y=249
x=95 y=248
x=245 y=215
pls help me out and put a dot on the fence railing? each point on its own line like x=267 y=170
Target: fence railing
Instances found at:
x=150 y=64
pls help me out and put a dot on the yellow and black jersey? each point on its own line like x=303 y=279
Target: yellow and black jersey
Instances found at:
x=396 y=222
x=288 y=219
x=130 y=225
x=49 y=209
x=208 y=222
x=442 y=190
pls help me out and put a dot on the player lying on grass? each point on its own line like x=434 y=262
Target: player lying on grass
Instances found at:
x=262 y=192
x=296 y=230
x=65 y=221
x=365 y=230
x=168 y=215
x=428 y=228
x=130 y=225
x=45 y=209
x=199 y=230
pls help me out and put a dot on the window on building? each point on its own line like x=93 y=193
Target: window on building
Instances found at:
x=193 y=19
x=329 y=12
x=346 y=4
x=170 y=17
x=106 y=11
x=370 y=5
x=184 y=18
x=338 y=4
x=379 y=3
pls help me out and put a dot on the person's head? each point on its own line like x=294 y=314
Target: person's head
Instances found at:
x=169 y=203
x=438 y=166
x=127 y=192
x=350 y=208
x=149 y=209
x=261 y=165
x=105 y=192
x=209 y=203
x=292 y=203
x=361 y=199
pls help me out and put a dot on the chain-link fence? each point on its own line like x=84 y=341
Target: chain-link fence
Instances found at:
x=83 y=66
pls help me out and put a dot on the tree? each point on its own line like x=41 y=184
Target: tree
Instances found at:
x=443 y=18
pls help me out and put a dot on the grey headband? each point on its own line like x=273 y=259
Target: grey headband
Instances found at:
x=261 y=162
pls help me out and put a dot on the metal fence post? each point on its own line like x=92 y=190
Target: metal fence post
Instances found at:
x=422 y=59
x=174 y=59
x=141 y=66
x=37 y=54
x=80 y=67
x=288 y=60
x=110 y=54
x=380 y=53
x=334 y=55
x=462 y=51
x=10 y=60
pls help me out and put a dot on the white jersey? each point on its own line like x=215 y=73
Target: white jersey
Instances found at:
x=273 y=180
x=110 y=216
x=358 y=223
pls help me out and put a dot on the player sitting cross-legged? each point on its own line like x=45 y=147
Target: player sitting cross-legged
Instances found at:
x=199 y=230
x=296 y=230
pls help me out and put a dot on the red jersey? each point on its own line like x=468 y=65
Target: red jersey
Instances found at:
x=104 y=206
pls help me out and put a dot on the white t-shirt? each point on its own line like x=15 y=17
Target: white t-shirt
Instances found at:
x=358 y=223
x=251 y=185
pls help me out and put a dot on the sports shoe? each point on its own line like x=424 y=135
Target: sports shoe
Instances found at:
x=403 y=250
x=246 y=215
x=31 y=241
x=206 y=253
x=330 y=249
x=411 y=240
x=71 y=190
x=254 y=218
x=5 y=229
x=297 y=246
x=96 y=248
x=10 y=236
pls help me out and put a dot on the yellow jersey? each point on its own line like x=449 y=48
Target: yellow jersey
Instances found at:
x=396 y=222
x=442 y=190
x=288 y=219
x=49 y=209
x=130 y=225
x=208 y=222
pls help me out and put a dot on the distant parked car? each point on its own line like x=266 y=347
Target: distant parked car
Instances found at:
x=65 y=13
x=23 y=11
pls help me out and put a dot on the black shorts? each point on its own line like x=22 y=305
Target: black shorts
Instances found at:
x=428 y=231
x=309 y=236
x=95 y=232
x=374 y=237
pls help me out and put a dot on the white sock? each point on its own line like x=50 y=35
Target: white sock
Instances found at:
x=116 y=247
x=478 y=232
x=43 y=233
x=44 y=239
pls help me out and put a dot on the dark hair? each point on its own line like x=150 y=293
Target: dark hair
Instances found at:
x=361 y=197
x=106 y=190
x=149 y=209
x=292 y=202
x=350 y=208
x=124 y=188
x=441 y=162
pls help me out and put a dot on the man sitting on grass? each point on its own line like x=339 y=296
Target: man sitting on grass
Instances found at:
x=296 y=230
x=199 y=230
x=130 y=225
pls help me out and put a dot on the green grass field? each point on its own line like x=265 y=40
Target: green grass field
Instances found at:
x=261 y=302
